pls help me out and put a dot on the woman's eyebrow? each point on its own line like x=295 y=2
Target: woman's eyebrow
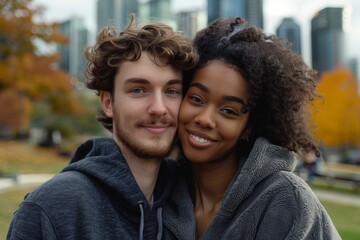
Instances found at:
x=199 y=86
x=227 y=98
x=235 y=99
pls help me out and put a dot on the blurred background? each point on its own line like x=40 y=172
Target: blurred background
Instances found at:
x=46 y=110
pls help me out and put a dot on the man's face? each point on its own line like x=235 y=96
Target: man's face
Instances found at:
x=144 y=107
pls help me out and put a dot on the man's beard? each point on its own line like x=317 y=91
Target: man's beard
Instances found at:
x=135 y=146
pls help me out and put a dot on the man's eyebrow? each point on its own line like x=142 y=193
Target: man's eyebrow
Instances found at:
x=227 y=98
x=145 y=81
x=174 y=81
x=136 y=80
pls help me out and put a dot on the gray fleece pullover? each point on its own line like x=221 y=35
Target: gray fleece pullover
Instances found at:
x=265 y=200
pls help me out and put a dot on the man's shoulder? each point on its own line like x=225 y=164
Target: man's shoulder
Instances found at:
x=65 y=185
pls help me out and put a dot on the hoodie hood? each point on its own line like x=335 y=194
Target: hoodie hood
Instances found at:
x=101 y=159
x=263 y=201
x=263 y=160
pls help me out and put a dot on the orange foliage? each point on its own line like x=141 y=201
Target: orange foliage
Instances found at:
x=15 y=112
x=25 y=75
x=19 y=30
x=338 y=115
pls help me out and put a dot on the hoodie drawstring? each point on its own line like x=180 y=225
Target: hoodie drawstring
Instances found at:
x=159 y=220
x=141 y=228
x=160 y=223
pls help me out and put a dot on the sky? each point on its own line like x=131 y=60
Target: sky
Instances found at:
x=274 y=10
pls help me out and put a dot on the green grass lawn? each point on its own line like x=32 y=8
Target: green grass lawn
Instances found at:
x=22 y=157
x=9 y=202
x=346 y=219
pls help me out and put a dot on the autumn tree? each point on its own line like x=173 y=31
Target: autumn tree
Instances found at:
x=337 y=115
x=27 y=75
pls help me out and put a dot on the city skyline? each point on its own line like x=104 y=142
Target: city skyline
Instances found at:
x=274 y=11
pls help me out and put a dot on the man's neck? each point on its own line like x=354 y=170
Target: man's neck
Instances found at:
x=145 y=171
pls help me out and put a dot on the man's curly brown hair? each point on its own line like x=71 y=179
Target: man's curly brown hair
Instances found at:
x=164 y=45
x=281 y=84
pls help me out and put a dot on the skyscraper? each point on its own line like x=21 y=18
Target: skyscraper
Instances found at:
x=72 y=57
x=327 y=39
x=187 y=22
x=352 y=64
x=290 y=30
x=213 y=10
x=251 y=10
x=115 y=12
x=157 y=10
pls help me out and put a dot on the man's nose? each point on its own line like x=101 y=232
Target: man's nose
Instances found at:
x=157 y=104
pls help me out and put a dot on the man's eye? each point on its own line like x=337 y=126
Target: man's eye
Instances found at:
x=173 y=91
x=137 y=91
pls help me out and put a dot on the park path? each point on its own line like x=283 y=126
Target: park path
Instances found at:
x=12 y=183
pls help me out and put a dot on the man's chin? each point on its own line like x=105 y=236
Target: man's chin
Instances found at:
x=153 y=154
x=154 y=151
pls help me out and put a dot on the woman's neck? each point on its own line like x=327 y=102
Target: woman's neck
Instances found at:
x=210 y=182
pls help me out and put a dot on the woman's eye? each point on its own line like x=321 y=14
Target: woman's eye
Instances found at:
x=195 y=99
x=229 y=111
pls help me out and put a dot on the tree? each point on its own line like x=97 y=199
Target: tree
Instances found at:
x=337 y=116
x=20 y=107
x=27 y=75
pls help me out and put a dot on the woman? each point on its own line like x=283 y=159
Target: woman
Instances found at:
x=242 y=122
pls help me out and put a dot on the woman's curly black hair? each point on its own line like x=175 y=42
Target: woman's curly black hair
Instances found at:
x=282 y=85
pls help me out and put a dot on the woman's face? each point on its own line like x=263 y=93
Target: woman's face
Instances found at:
x=210 y=119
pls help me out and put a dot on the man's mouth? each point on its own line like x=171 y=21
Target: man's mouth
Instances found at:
x=157 y=128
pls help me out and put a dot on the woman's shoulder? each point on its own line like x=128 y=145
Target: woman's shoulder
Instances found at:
x=292 y=188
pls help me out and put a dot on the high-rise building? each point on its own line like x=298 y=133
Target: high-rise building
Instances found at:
x=115 y=12
x=353 y=66
x=72 y=55
x=251 y=10
x=290 y=30
x=327 y=39
x=158 y=11
x=254 y=12
x=213 y=10
x=187 y=22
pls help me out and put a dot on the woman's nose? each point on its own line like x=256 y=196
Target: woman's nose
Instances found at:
x=206 y=118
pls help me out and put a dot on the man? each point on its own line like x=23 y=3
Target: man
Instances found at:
x=114 y=188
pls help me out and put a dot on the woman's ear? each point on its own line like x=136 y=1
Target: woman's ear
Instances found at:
x=106 y=103
x=246 y=134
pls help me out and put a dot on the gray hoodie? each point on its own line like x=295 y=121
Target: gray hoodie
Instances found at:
x=94 y=197
x=265 y=200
